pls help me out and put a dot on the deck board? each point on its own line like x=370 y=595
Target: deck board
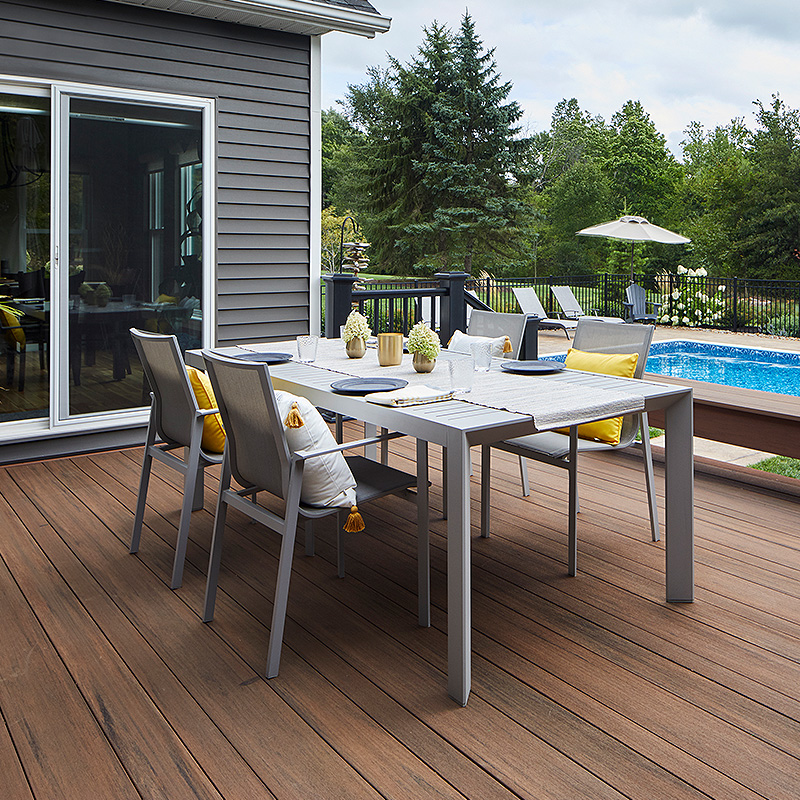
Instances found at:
x=590 y=686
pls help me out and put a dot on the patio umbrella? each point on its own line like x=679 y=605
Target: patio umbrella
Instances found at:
x=634 y=229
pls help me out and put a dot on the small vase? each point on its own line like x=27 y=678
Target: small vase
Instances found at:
x=422 y=363
x=356 y=348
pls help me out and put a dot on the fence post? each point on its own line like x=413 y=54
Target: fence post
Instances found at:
x=735 y=304
x=338 y=301
x=605 y=294
x=454 y=306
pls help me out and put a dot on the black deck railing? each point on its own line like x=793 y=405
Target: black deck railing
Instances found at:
x=734 y=304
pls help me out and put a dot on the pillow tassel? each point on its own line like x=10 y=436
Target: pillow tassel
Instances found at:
x=507 y=345
x=294 y=420
x=355 y=522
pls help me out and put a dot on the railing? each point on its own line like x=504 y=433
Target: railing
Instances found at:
x=735 y=304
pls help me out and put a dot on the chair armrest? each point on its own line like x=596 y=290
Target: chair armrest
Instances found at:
x=654 y=304
x=304 y=455
x=204 y=412
x=626 y=304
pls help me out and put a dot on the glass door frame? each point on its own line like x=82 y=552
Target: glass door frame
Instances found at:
x=62 y=94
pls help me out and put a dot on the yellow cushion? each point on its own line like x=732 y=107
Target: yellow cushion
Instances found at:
x=213 y=432
x=620 y=364
x=14 y=332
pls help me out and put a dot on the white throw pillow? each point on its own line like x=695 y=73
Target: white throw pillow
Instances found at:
x=327 y=480
x=460 y=343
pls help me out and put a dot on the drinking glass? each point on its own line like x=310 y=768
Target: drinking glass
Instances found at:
x=307 y=348
x=460 y=369
x=482 y=353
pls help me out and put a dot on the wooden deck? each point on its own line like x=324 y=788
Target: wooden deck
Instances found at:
x=586 y=687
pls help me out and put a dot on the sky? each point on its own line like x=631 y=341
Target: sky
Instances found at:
x=684 y=60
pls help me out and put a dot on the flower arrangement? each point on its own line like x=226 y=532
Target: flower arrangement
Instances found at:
x=690 y=304
x=421 y=339
x=356 y=327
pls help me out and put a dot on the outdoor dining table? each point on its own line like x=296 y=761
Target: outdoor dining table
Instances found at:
x=501 y=405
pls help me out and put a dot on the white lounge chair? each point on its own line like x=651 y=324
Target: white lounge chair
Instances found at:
x=571 y=308
x=529 y=303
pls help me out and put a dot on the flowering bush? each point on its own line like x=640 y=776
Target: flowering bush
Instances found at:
x=421 y=339
x=690 y=304
x=356 y=327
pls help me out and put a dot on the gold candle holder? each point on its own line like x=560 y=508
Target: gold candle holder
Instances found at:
x=390 y=349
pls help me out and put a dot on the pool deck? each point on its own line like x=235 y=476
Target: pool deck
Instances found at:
x=715 y=396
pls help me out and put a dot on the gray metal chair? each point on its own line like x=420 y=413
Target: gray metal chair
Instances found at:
x=494 y=324
x=562 y=450
x=572 y=309
x=258 y=457
x=177 y=420
x=636 y=305
x=529 y=303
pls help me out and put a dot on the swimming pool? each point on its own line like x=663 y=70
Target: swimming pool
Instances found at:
x=748 y=367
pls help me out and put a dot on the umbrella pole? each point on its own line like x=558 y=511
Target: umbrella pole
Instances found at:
x=631 y=260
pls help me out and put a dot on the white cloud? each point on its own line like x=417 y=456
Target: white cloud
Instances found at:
x=684 y=60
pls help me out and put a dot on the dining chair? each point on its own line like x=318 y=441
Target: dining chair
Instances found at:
x=529 y=303
x=492 y=324
x=259 y=458
x=572 y=309
x=178 y=421
x=561 y=449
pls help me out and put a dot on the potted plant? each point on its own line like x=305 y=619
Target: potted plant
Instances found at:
x=102 y=294
x=355 y=334
x=424 y=344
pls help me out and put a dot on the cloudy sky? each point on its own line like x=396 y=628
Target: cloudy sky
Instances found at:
x=684 y=60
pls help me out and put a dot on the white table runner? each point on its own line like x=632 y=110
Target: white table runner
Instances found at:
x=564 y=398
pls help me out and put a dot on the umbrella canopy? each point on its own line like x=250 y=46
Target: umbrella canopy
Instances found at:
x=634 y=229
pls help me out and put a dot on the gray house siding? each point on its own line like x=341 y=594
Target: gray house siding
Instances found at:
x=261 y=82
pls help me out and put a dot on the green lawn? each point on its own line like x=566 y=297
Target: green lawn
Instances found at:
x=780 y=465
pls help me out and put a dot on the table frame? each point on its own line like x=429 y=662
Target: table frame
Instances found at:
x=458 y=425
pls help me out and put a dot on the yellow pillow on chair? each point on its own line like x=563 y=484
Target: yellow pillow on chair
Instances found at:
x=622 y=365
x=213 y=433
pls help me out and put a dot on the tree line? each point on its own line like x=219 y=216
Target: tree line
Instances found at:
x=430 y=158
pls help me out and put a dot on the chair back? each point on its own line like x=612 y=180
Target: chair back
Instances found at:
x=255 y=441
x=568 y=302
x=592 y=336
x=637 y=299
x=529 y=302
x=493 y=324
x=175 y=407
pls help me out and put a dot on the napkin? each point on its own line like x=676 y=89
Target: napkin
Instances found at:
x=409 y=396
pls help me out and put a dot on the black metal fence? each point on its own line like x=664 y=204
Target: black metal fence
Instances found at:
x=734 y=304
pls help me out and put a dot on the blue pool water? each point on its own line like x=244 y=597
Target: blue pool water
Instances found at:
x=748 y=367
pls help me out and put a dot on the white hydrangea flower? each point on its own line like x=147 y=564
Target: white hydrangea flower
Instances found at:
x=721 y=287
x=675 y=320
x=682 y=270
x=702 y=272
x=665 y=318
x=681 y=306
x=676 y=294
x=685 y=320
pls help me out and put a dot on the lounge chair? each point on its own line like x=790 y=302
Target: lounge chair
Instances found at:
x=636 y=304
x=571 y=308
x=561 y=450
x=529 y=303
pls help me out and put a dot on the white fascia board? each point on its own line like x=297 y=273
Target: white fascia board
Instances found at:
x=294 y=16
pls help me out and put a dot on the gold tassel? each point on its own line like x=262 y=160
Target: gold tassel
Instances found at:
x=294 y=420
x=355 y=522
x=507 y=345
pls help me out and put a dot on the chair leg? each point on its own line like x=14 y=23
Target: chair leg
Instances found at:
x=144 y=480
x=444 y=483
x=215 y=556
x=192 y=468
x=423 y=537
x=652 y=500
x=284 y=573
x=572 y=469
x=523 y=477
x=340 y=539
x=486 y=489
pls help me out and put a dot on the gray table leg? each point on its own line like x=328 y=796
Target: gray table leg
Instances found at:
x=423 y=537
x=370 y=450
x=459 y=611
x=679 y=484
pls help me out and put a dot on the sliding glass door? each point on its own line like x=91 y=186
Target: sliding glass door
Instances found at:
x=113 y=234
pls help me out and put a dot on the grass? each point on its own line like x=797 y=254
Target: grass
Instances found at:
x=780 y=465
